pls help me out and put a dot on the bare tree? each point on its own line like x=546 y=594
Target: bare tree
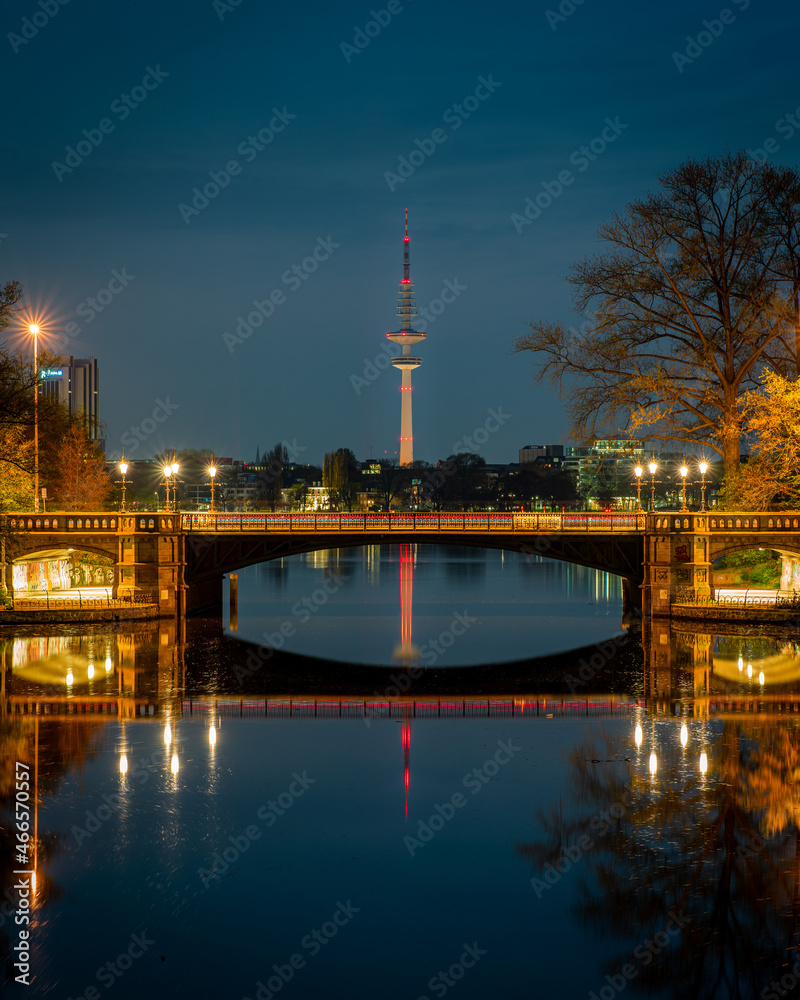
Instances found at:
x=694 y=299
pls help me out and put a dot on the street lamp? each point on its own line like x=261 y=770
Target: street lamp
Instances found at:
x=174 y=468
x=653 y=468
x=167 y=474
x=703 y=471
x=212 y=473
x=34 y=329
x=123 y=468
x=638 y=473
x=684 y=473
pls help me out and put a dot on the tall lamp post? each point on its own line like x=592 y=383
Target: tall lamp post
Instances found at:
x=174 y=468
x=34 y=329
x=684 y=473
x=212 y=473
x=638 y=473
x=167 y=474
x=123 y=468
x=653 y=468
x=703 y=471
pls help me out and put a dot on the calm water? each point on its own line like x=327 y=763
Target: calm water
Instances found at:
x=439 y=605
x=300 y=827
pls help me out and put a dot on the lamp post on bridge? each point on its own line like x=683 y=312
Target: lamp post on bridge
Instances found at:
x=653 y=467
x=123 y=468
x=167 y=474
x=638 y=473
x=703 y=469
x=212 y=473
x=174 y=468
x=684 y=473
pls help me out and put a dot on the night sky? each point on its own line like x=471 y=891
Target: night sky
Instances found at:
x=171 y=93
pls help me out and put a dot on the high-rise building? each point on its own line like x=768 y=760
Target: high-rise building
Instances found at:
x=75 y=384
x=406 y=337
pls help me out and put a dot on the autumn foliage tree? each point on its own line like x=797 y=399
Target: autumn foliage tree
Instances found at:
x=81 y=480
x=695 y=296
x=772 y=476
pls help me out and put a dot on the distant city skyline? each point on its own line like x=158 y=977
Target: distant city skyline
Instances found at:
x=222 y=242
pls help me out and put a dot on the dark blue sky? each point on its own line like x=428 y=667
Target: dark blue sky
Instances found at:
x=203 y=77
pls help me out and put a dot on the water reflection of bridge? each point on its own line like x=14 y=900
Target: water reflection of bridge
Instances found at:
x=309 y=707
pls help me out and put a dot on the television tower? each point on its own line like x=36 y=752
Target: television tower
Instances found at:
x=406 y=337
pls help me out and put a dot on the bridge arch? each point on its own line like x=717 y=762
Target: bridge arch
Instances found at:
x=210 y=557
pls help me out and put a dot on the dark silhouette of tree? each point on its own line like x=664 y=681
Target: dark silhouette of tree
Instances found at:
x=270 y=480
x=464 y=483
x=340 y=477
x=390 y=483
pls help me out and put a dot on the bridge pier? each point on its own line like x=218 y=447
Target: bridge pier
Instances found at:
x=678 y=663
x=151 y=560
x=677 y=561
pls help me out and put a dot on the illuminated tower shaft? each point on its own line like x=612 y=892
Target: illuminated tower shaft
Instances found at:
x=406 y=338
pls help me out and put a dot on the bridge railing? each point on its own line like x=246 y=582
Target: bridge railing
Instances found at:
x=69 y=600
x=743 y=599
x=417 y=522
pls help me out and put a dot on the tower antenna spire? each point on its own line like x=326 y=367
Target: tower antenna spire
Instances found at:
x=406 y=262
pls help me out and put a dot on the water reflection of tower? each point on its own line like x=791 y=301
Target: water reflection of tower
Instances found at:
x=406 y=653
x=406 y=753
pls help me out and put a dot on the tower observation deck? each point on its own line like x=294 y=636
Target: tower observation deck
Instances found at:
x=406 y=337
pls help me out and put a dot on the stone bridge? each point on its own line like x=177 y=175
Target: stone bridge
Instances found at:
x=181 y=558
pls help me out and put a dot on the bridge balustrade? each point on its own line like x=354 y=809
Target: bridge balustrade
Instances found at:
x=444 y=521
